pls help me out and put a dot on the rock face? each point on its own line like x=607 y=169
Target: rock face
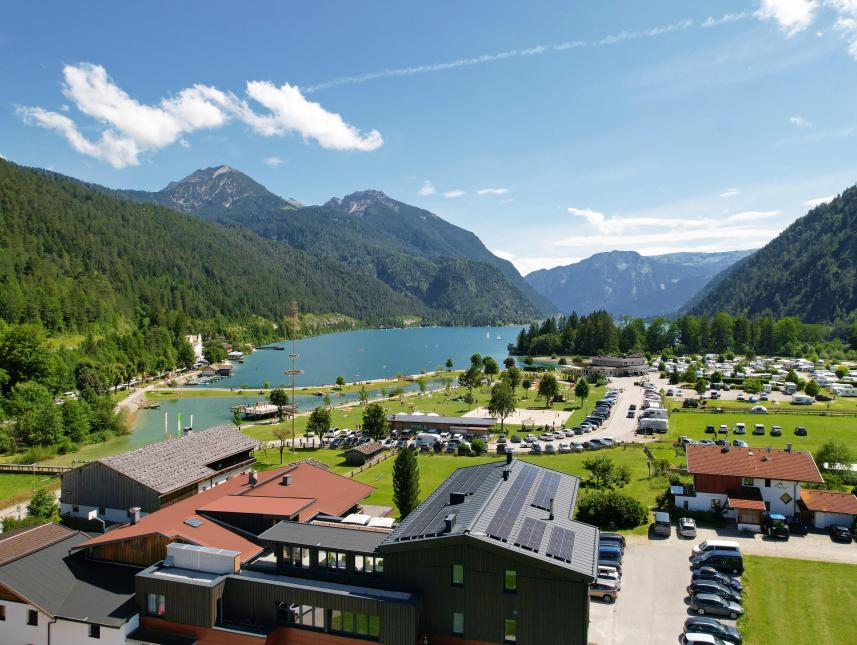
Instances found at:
x=627 y=283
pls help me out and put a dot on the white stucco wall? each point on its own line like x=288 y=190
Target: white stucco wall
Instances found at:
x=826 y=520
x=15 y=630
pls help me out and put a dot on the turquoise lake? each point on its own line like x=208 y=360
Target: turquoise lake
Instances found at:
x=356 y=355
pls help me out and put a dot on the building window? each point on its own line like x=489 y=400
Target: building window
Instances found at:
x=458 y=575
x=458 y=623
x=2 y=612
x=32 y=617
x=95 y=631
x=767 y=483
x=156 y=604
x=510 y=581
x=296 y=556
x=368 y=564
x=510 y=630
x=331 y=560
x=748 y=481
x=348 y=622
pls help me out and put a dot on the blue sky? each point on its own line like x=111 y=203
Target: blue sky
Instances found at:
x=553 y=130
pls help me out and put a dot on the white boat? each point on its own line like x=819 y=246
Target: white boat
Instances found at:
x=499 y=338
x=487 y=334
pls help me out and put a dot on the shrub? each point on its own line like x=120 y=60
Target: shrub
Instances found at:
x=479 y=447
x=464 y=450
x=612 y=509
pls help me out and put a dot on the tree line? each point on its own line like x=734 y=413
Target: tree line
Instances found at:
x=599 y=333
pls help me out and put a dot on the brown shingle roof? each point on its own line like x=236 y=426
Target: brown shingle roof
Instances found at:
x=795 y=466
x=174 y=463
x=16 y=543
x=828 y=501
x=368 y=448
x=748 y=498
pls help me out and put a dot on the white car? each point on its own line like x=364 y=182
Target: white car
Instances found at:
x=758 y=409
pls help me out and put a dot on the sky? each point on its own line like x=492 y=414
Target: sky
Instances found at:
x=552 y=130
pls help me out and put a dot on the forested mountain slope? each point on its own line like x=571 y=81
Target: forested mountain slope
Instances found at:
x=808 y=271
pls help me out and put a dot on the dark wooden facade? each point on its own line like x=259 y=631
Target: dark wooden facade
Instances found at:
x=719 y=484
x=550 y=605
x=95 y=484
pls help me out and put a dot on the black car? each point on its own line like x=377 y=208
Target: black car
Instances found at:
x=633 y=406
x=705 y=625
x=714 y=588
x=840 y=534
x=797 y=528
x=516 y=438
x=630 y=414
x=800 y=431
x=709 y=429
x=710 y=573
x=613 y=537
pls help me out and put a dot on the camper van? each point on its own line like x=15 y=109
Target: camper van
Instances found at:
x=801 y=399
x=648 y=426
x=653 y=413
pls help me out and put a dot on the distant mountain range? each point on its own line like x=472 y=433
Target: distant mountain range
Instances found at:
x=446 y=269
x=808 y=271
x=627 y=283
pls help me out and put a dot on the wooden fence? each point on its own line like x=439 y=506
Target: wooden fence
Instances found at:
x=34 y=469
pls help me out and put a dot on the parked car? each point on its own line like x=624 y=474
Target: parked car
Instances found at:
x=516 y=438
x=759 y=429
x=564 y=448
x=576 y=446
x=700 y=639
x=535 y=449
x=712 y=626
x=633 y=406
x=740 y=428
x=501 y=440
x=739 y=443
x=709 y=604
x=740 y=396
x=724 y=429
x=631 y=414
x=711 y=587
x=550 y=449
x=663 y=526
x=712 y=545
x=840 y=534
x=610 y=554
x=603 y=590
x=710 y=573
x=709 y=429
x=687 y=527
x=614 y=537
x=776 y=431
x=758 y=409
x=609 y=573
x=800 y=431
x=724 y=561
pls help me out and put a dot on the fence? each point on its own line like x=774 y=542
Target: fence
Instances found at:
x=372 y=462
x=33 y=469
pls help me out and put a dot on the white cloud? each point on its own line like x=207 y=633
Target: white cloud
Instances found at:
x=130 y=128
x=452 y=194
x=751 y=216
x=492 y=191
x=273 y=161
x=427 y=189
x=817 y=201
x=527 y=265
x=800 y=122
x=184 y=143
x=793 y=16
x=594 y=218
x=730 y=192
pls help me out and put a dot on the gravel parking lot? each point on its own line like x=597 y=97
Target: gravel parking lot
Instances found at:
x=652 y=605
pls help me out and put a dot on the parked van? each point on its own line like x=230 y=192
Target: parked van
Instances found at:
x=653 y=413
x=729 y=562
x=663 y=525
x=710 y=545
x=653 y=425
x=609 y=555
x=427 y=439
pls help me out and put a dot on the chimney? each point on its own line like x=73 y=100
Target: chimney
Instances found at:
x=448 y=523
x=788 y=447
x=550 y=517
x=456 y=498
x=506 y=472
x=287 y=479
x=252 y=478
x=134 y=514
x=508 y=456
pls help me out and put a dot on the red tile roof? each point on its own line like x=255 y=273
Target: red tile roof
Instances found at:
x=16 y=543
x=749 y=498
x=312 y=490
x=828 y=501
x=795 y=466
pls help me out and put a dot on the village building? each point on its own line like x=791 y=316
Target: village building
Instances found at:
x=155 y=476
x=432 y=422
x=743 y=483
x=610 y=366
x=195 y=341
x=825 y=508
x=359 y=455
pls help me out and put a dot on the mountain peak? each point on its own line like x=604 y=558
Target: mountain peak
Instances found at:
x=358 y=202
x=215 y=188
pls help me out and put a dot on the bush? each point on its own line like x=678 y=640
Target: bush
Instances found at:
x=612 y=510
x=479 y=447
x=464 y=450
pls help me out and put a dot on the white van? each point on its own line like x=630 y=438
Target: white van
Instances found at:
x=710 y=545
x=653 y=425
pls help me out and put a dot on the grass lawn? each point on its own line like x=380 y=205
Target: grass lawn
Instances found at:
x=819 y=428
x=798 y=601
x=16 y=487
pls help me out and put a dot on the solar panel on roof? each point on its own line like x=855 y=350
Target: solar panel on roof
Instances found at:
x=530 y=535
x=546 y=491
x=561 y=544
x=192 y=521
x=504 y=517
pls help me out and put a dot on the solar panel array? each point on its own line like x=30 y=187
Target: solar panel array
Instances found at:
x=561 y=544
x=546 y=491
x=504 y=517
x=430 y=520
x=530 y=535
